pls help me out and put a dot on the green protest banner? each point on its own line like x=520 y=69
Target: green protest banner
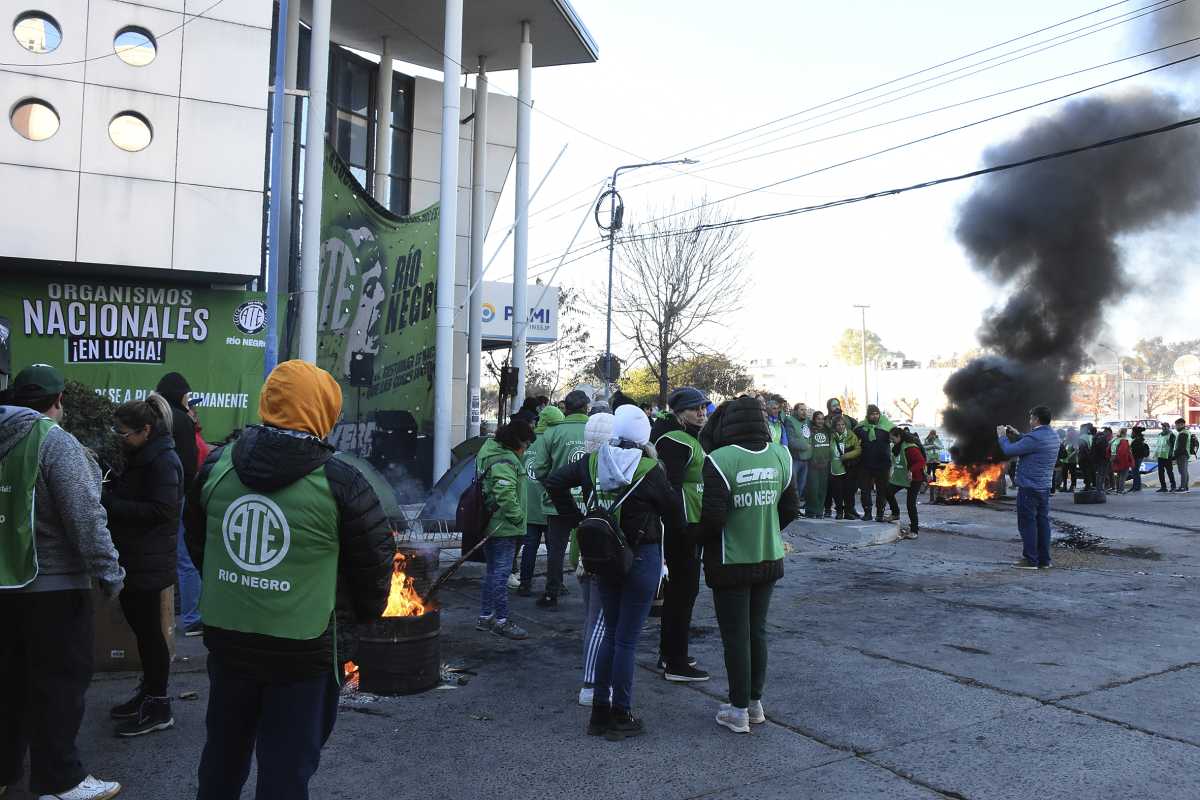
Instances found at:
x=378 y=288
x=119 y=337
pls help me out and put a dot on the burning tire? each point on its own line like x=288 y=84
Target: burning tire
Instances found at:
x=1090 y=497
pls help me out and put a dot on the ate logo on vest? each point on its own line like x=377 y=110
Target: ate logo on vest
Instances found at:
x=256 y=533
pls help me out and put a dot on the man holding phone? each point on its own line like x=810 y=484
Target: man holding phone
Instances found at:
x=1038 y=453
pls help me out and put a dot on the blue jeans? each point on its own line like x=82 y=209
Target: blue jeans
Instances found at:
x=1137 y=475
x=800 y=476
x=494 y=594
x=529 y=550
x=284 y=725
x=626 y=605
x=1033 y=521
x=189 y=585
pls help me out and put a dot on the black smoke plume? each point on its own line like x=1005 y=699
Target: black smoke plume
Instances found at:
x=1049 y=236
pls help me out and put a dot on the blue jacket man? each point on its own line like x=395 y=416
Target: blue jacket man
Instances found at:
x=1038 y=452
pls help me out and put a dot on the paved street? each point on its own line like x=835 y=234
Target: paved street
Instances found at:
x=912 y=669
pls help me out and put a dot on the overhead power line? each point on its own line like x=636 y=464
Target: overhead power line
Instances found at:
x=1159 y=5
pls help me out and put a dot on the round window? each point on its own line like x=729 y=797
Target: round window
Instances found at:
x=37 y=32
x=130 y=131
x=135 y=46
x=36 y=120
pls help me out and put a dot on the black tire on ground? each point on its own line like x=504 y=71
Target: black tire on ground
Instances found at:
x=1090 y=497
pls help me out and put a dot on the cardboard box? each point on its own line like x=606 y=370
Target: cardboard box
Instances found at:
x=115 y=648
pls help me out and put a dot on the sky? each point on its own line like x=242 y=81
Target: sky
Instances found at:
x=676 y=74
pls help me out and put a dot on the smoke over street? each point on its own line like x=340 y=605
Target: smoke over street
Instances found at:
x=1048 y=236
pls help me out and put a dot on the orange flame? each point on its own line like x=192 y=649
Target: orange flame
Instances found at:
x=973 y=482
x=350 y=675
x=403 y=600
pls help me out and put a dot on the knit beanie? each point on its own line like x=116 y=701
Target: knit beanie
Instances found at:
x=300 y=396
x=173 y=387
x=598 y=431
x=631 y=425
x=686 y=397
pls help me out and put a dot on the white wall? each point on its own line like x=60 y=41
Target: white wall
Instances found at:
x=426 y=159
x=191 y=202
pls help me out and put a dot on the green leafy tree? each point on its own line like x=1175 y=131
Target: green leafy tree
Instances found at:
x=89 y=418
x=848 y=348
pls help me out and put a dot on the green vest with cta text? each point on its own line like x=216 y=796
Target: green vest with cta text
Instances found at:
x=756 y=480
x=693 y=475
x=900 y=474
x=270 y=558
x=18 y=491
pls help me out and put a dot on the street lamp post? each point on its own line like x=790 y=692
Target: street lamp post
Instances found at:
x=866 y=396
x=1120 y=381
x=614 y=225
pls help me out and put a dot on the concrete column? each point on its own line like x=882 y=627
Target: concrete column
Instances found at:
x=521 y=235
x=383 y=126
x=287 y=189
x=443 y=378
x=478 y=233
x=314 y=174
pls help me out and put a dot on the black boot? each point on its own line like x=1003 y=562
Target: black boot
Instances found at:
x=548 y=602
x=524 y=590
x=130 y=708
x=154 y=715
x=600 y=720
x=623 y=725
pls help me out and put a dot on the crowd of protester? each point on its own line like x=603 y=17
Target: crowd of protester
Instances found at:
x=694 y=489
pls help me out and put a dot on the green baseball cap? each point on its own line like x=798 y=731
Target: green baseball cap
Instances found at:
x=41 y=377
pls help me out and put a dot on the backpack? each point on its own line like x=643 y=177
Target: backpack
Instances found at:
x=603 y=547
x=472 y=515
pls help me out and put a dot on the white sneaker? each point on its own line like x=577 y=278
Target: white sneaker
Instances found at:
x=585 y=696
x=89 y=789
x=514 y=580
x=757 y=716
x=736 y=719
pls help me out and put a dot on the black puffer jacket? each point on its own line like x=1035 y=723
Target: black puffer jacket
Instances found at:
x=737 y=422
x=653 y=507
x=173 y=387
x=267 y=460
x=143 y=504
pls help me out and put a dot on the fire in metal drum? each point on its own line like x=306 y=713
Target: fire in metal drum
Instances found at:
x=400 y=655
x=419 y=566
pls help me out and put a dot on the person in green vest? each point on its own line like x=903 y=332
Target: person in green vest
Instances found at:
x=908 y=474
x=626 y=479
x=563 y=445
x=933 y=454
x=537 y=503
x=281 y=530
x=844 y=451
x=774 y=407
x=1164 y=451
x=749 y=497
x=818 y=468
x=682 y=456
x=504 y=477
x=1184 y=445
x=54 y=542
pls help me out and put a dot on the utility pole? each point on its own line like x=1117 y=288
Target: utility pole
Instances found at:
x=866 y=396
x=614 y=224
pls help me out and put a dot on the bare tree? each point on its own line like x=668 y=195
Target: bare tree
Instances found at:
x=678 y=276
x=908 y=406
x=1094 y=394
x=1160 y=396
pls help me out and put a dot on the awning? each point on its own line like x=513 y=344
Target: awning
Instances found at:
x=491 y=28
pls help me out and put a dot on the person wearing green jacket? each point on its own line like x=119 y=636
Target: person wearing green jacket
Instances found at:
x=563 y=445
x=536 y=501
x=843 y=453
x=818 y=468
x=499 y=462
x=799 y=443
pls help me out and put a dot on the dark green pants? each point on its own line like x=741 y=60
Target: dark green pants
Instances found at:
x=815 y=489
x=742 y=617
